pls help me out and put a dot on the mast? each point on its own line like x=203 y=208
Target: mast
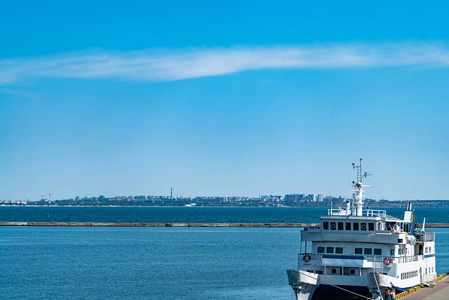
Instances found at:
x=358 y=185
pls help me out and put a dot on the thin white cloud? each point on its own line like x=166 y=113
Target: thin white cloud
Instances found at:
x=164 y=65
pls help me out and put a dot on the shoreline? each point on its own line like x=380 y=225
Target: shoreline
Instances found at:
x=246 y=225
x=212 y=206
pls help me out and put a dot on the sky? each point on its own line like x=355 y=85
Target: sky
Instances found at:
x=223 y=98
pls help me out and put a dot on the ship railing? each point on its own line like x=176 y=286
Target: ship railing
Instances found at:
x=407 y=259
x=301 y=256
x=378 y=261
x=396 y=259
x=307 y=258
x=365 y=213
x=374 y=213
x=425 y=236
x=337 y=212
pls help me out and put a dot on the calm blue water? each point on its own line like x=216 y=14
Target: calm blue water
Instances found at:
x=146 y=263
x=153 y=263
x=191 y=214
x=160 y=263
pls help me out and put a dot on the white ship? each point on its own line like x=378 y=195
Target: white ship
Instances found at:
x=358 y=253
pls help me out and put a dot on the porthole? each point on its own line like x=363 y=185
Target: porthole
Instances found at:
x=352 y=272
x=334 y=271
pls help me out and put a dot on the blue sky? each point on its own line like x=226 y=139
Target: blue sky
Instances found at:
x=223 y=98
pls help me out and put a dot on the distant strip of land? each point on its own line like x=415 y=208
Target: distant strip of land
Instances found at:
x=98 y=224
x=290 y=200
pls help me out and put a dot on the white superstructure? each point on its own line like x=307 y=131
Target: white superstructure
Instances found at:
x=361 y=252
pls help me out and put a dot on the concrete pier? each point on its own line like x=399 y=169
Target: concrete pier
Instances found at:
x=100 y=224
x=440 y=292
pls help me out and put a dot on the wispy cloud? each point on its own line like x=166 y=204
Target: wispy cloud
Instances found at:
x=168 y=65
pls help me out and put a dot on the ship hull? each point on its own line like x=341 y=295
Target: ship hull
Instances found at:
x=309 y=286
x=324 y=292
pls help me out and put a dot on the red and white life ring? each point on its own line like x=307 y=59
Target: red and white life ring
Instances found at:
x=307 y=257
x=387 y=261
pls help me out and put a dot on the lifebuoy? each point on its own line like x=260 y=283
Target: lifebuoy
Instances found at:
x=387 y=261
x=307 y=257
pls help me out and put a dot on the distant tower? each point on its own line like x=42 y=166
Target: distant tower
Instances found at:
x=171 y=193
x=311 y=197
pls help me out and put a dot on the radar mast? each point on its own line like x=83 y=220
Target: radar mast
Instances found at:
x=358 y=185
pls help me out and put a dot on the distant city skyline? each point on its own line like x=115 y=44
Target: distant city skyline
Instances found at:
x=223 y=98
x=287 y=197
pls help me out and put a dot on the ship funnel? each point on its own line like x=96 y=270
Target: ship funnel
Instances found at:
x=408 y=214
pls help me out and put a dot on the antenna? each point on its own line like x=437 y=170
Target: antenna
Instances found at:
x=423 y=225
x=359 y=187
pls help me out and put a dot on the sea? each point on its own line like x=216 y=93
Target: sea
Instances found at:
x=161 y=263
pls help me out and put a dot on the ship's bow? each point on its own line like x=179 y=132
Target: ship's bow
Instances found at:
x=303 y=283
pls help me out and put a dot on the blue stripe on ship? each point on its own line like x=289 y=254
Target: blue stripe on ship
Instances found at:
x=344 y=256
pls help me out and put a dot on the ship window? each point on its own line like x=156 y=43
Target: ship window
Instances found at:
x=326 y=225
x=368 y=251
x=356 y=226
x=358 y=251
x=339 y=250
x=330 y=250
x=363 y=226
x=333 y=226
x=371 y=226
x=352 y=272
x=348 y=226
x=340 y=225
x=320 y=250
x=392 y=252
x=377 y=251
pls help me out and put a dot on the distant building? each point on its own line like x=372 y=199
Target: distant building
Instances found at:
x=320 y=197
x=311 y=197
x=294 y=197
x=139 y=198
